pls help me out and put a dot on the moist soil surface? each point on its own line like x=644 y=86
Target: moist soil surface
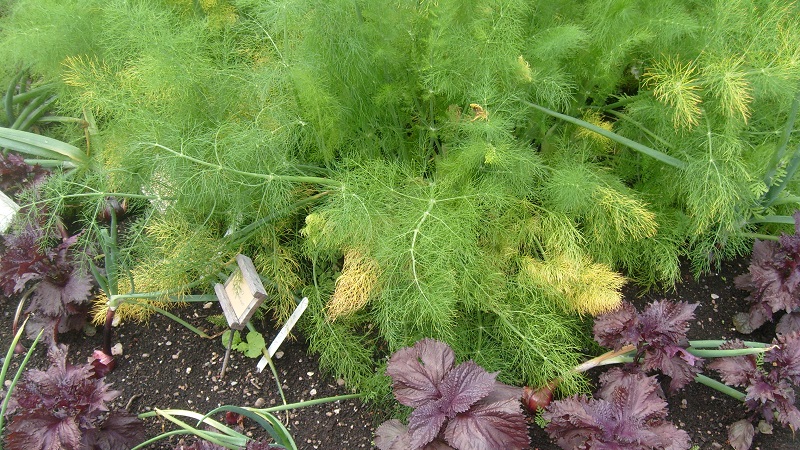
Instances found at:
x=164 y=365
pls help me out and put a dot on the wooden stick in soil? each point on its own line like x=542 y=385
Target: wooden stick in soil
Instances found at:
x=227 y=355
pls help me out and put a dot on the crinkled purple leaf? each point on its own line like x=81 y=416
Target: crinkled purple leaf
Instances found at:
x=63 y=402
x=761 y=391
x=417 y=371
x=43 y=430
x=629 y=413
x=16 y=174
x=572 y=421
x=119 y=431
x=789 y=323
x=665 y=322
x=617 y=328
x=489 y=426
x=747 y=322
x=392 y=435
x=788 y=414
x=671 y=437
x=736 y=370
x=633 y=393
x=681 y=366
x=785 y=358
x=501 y=392
x=463 y=386
x=740 y=434
x=425 y=423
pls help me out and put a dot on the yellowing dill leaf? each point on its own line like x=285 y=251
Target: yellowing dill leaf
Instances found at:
x=676 y=85
x=354 y=287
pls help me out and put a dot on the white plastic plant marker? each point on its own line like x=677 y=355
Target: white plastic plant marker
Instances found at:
x=241 y=294
x=7 y=211
x=287 y=327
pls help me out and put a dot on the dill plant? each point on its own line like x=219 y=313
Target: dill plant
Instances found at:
x=417 y=136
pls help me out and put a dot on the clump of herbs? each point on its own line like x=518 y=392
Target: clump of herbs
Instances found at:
x=61 y=286
x=455 y=406
x=65 y=407
x=769 y=387
x=773 y=280
x=628 y=412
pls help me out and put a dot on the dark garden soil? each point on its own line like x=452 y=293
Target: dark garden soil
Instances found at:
x=166 y=366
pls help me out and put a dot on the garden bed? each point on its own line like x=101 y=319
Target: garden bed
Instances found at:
x=164 y=365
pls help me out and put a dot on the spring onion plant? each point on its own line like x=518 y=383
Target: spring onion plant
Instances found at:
x=225 y=436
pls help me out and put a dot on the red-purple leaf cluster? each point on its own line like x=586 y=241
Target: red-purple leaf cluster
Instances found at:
x=769 y=389
x=456 y=406
x=659 y=334
x=16 y=174
x=63 y=287
x=627 y=413
x=773 y=280
x=64 y=407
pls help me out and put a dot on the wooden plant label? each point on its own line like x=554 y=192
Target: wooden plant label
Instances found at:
x=241 y=294
x=287 y=327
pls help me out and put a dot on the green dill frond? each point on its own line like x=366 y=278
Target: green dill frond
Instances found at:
x=727 y=81
x=677 y=84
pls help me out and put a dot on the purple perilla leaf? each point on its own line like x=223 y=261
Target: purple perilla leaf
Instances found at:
x=665 y=323
x=628 y=413
x=740 y=434
x=489 y=425
x=393 y=435
x=463 y=386
x=785 y=358
x=64 y=407
x=658 y=332
x=789 y=323
x=417 y=371
x=617 y=328
x=773 y=280
x=464 y=405
x=736 y=370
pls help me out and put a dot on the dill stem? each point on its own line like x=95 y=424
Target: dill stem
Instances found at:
x=263 y=176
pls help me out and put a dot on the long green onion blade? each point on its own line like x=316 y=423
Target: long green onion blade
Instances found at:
x=724 y=388
x=43 y=146
x=653 y=153
x=225 y=440
x=720 y=353
x=19 y=370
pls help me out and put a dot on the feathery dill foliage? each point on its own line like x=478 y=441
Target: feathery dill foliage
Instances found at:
x=381 y=156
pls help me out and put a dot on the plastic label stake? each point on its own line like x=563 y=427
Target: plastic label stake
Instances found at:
x=287 y=327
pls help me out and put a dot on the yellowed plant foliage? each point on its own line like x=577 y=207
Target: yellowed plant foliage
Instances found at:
x=354 y=287
x=586 y=287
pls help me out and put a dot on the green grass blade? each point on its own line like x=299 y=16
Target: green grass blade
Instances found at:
x=651 y=152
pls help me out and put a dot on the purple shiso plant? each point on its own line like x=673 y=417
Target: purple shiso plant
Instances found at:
x=629 y=410
x=455 y=406
x=66 y=407
x=773 y=280
x=60 y=287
